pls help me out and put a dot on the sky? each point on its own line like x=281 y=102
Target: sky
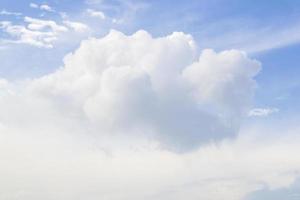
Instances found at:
x=157 y=99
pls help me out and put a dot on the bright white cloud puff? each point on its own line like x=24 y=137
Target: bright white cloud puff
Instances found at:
x=125 y=84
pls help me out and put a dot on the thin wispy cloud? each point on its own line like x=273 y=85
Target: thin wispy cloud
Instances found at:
x=252 y=38
x=262 y=112
x=43 y=7
x=33 y=5
x=5 y=12
x=95 y=13
x=76 y=26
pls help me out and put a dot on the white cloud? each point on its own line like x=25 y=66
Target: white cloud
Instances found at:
x=76 y=26
x=4 y=24
x=262 y=112
x=117 y=85
x=5 y=12
x=94 y=13
x=46 y=8
x=43 y=7
x=110 y=122
x=64 y=164
x=40 y=33
x=26 y=36
x=33 y=5
x=39 y=24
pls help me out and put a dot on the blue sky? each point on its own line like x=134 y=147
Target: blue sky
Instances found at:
x=258 y=27
x=224 y=92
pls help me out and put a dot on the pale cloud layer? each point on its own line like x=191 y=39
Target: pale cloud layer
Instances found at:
x=137 y=117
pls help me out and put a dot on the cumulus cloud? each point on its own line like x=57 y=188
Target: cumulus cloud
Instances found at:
x=134 y=84
x=137 y=117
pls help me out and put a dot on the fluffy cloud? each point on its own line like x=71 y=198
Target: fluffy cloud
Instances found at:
x=125 y=84
x=24 y=35
x=137 y=117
